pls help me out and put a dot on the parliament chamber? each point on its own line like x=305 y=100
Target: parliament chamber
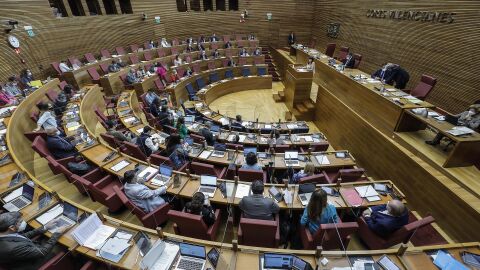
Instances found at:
x=306 y=134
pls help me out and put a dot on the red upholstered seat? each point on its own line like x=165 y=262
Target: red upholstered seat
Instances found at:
x=120 y=50
x=74 y=61
x=234 y=146
x=228 y=52
x=56 y=67
x=423 y=88
x=252 y=43
x=105 y=53
x=196 y=68
x=134 y=150
x=242 y=61
x=150 y=220
x=51 y=95
x=133 y=59
x=320 y=178
x=133 y=48
x=347 y=175
x=62 y=85
x=330 y=50
x=32 y=135
x=327 y=236
x=258 y=60
x=316 y=147
x=94 y=74
x=225 y=62
x=180 y=72
x=60 y=261
x=239 y=37
x=281 y=148
x=40 y=146
x=214 y=46
x=226 y=38
x=402 y=235
x=90 y=58
x=147 y=55
x=208 y=169
x=159 y=85
x=104 y=68
x=211 y=64
x=175 y=42
x=161 y=52
x=426 y=235
x=123 y=78
x=174 y=51
x=252 y=175
x=259 y=233
x=192 y=225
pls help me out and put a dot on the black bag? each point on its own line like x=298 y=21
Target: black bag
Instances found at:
x=78 y=168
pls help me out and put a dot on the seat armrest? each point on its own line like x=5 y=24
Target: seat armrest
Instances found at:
x=96 y=173
x=264 y=176
x=212 y=231
x=277 y=234
x=223 y=173
x=307 y=238
x=103 y=182
x=64 y=161
x=156 y=217
x=408 y=91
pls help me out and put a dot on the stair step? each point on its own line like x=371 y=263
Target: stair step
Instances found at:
x=277 y=98
x=302 y=109
x=288 y=116
x=309 y=104
x=281 y=94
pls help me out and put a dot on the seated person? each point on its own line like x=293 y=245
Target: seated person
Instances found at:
x=164 y=43
x=150 y=45
x=198 y=207
x=318 y=211
x=384 y=74
x=238 y=122
x=386 y=219
x=151 y=96
x=64 y=67
x=243 y=52
x=6 y=98
x=147 y=144
x=202 y=39
x=231 y=62
x=203 y=55
x=175 y=151
x=188 y=72
x=26 y=77
x=308 y=170
x=131 y=77
x=141 y=72
x=60 y=103
x=189 y=48
x=256 y=206
x=59 y=146
x=12 y=88
x=310 y=65
x=114 y=66
x=17 y=250
x=143 y=197
x=155 y=107
x=181 y=128
x=207 y=134
x=228 y=45
x=214 y=38
x=216 y=54
x=349 y=61
x=251 y=37
x=164 y=116
x=469 y=119
x=174 y=76
x=251 y=162
x=257 y=52
x=162 y=73
x=200 y=47
x=177 y=61
x=127 y=137
x=46 y=118
x=190 y=40
x=275 y=138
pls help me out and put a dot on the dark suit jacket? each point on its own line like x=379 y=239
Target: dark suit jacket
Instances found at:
x=154 y=110
x=291 y=39
x=205 y=132
x=384 y=224
x=400 y=77
x=21 y=253
x=60 y=147
x=350 y=63
x=257 y=207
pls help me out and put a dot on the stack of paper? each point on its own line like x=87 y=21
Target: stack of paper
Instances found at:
x=322 y=159
x=241 y=138
x=114 y=249
x=368 y=192
x=242 y=191
x=92 y=233
x=205 y=154
x=224 y=121
x=459 y=131
x=120 y=165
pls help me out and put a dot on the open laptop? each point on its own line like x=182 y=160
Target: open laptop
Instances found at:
x=192 y=257
x=247 y=150
x=208 y=185
x=15 y=203
x=291 y=159
x=304 y=198
x=67 y=218
x=189 y=119
x=215 y=129
x=163 y=176
x=160 y=257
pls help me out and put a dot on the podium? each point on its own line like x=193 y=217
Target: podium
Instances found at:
x=298 y=85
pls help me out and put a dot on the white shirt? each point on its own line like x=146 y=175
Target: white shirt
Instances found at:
x=165 y=44
x=152 y=146
x=177 y=62
x=64 y=67
x=311 y=67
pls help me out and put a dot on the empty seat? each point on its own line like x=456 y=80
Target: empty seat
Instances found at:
x=423 y=88
x=330 y=50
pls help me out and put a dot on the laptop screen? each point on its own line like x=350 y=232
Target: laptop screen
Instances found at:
x=70 y=211
x=277 y=261
x=291 y=155
x=189 y=119
x=189 y=141
x=215 y=128
x=248 y=150
x=192 y=250
x=208 y=180
x=165 y=170
x=27 y=192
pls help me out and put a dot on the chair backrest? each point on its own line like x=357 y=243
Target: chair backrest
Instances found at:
x=320 y=178
x=252 y=43
x=105 y=53
x=174 y=51
x=190 y=90
x=188 y=58
x=259 y=233
x=157 y=160
x=104 y=68
x=229 y=74
x=258 y=60
x=351 y=175
x=133 y=59
x=180 y=72
x=74 y=61
x=159 y=84
x=120 y=50
x=100 y=114
x=109 y=139
x=214 y=46
x=226 y=38
x=343 y=53
x=330 y=50
x=245 y=72
x=60 y=261
x=134 y=151
x=40 y=146
x=424 y=87
x=33 y=134
x=123 y=78
x=281 y=148
x=327 y=235
x=196 y=68
x=242 y=61
x=129 y=204
x=211 y=64
x=250 y=175
x=93 y=74
x=405 y=233
x=213 y=77
x=261 y=71
x=358 y=59
x=56 y=67
x=320 y=147
x=234 y=146
x=228 y=52
x=133 y=47
x=201 y=168
x=242 y=43
x=175 y=42
x=225 y=62
x=90 y=57
x=52 y=95
x=62 y=85
x=147 y=55
x=189 y=225
x=161 y=52
x=200 y=82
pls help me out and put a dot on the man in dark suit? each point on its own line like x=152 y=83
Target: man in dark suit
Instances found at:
x=349 y=61
x=59 y=146
x=291 y=39
x=238 y=123
x=385 y=72
x=17 y=251
x=207 y=134
x=256 y=206
x=401 y=77
x=164 y=116
x=155 y=107
x=386 y=219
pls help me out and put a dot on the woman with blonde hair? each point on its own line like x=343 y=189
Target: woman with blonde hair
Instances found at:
x=308 y=170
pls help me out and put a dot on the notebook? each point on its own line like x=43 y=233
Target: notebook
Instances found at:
x=351 y=196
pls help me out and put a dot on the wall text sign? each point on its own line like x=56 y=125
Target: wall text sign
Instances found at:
x=410 y=15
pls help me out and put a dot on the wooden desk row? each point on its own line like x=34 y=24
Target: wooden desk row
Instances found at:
x=80 y=77
x=353 y=87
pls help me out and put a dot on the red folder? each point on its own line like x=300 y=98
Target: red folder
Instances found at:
x=351 y=196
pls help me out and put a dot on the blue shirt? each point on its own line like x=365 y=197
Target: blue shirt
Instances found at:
x=252 y=167
x=329 y=215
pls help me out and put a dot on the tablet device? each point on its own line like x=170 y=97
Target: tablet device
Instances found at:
x=471 y=259
x=387 y=264
x=213 y=255
x=44 y=200
x=143 y=243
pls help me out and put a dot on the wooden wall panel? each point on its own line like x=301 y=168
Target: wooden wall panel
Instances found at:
x=58 y=38
x=445 y=51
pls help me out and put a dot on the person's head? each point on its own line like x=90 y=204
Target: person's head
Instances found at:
x=172 y=141
x=257 y=187
x=164 y=109
x=198 y=200
x=131 y=71
x=110 y=124
x=208 y=124
x=396 y=208
x=236 y=139
x=474 y=109
x=68 y=89
x=181 y=120
x=12 y=222
x=309 y=168
x=43 y=107
x=114 y=61
x=310 y=60
x=238 y=118
x=317 y=203
x=26 y=72
x=12 y=78
x=157 y=64
x=177 y=57
x=275 y=134
x=129 y=177
x=156 y=102
x=51 y=131
x=251 y=159
x=147 y=130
